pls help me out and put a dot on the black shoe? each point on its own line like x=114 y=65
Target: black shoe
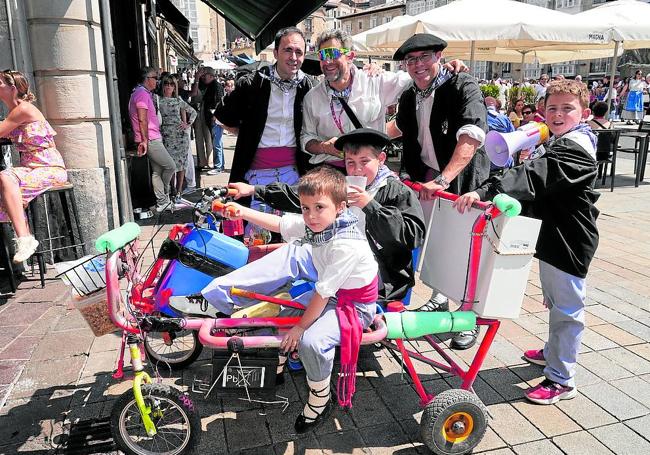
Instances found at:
x=465 y=340
x=436 y=303
x=304 y=424
x=279 y=378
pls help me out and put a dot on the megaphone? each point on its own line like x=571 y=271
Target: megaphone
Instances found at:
x=500 y=146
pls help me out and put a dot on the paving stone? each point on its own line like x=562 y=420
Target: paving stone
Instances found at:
x=369 y=410
x=505 y=382
x=585 y=412
x=585 y=377
x=617 y=335
x=304 y=446
x=9 y=370
x=23 y=313
x=385 y=438
x=401 y=400
x=532 y=324
x=636 y=388
x=550 y=420
x=343 y=442
x=580 y=443
x=606 y=314
x=46 y=322
x=596 y=341
x=61 y=345
x=504 y=451
x=628 y=360
x=490 y=441
x=641 y=425
x=506 y=352
x=511 y=426
x=40 y=378
x=602 y=366
x=621 y=439
x=543 y=447
x=20 y=349
x=239 y=434
x=614 y=401
x=642 y=350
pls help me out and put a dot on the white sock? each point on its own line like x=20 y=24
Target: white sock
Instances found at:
x=318 y=401
x=282 y=360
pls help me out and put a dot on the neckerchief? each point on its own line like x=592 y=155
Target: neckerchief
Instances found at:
x=345 y=93
x=420 y=95
x=383 y=174
x=585 y=129
x=344 y=227
x=285 y=85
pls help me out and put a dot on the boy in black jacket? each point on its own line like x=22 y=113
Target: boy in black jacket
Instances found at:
x=557 y=188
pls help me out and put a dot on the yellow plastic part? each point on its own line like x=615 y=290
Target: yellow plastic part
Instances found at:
x=262 y=309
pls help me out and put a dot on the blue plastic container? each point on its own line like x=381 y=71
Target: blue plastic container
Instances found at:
x=184 y=280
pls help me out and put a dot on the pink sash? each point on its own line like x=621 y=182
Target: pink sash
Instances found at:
x=274 y=157
x=351 y=331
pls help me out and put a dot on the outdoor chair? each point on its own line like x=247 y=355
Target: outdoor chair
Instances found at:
x=644 y=127
x=606 y=153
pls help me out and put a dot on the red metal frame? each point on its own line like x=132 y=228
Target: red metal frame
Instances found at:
x=212 y=332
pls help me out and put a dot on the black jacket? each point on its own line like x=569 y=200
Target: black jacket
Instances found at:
x=211 y=98
x=556 y=188
x=456 y=103
x=394 y=228
x=246 y=108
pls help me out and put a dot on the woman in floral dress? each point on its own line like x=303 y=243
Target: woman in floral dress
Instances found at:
x=177 y=117
x=41 y=165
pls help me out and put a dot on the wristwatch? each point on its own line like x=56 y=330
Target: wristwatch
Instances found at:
x=442 y=181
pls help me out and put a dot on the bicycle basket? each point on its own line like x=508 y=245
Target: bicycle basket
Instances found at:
x=85 y=275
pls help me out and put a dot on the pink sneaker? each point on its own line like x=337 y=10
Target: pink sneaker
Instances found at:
x=535 y=356
x=549 y=392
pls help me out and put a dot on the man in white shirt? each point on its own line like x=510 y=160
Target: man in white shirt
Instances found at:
x=325 y=117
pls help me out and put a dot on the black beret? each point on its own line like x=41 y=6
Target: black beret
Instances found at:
x=363 y=136
x=420 y=42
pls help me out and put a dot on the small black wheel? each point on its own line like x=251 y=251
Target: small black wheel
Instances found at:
x=453 y=423
x=177 y=349
x=177 y=422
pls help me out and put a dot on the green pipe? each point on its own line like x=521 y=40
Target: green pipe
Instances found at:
x=414 y=324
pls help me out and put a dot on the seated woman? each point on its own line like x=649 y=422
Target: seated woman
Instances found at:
x=41 y=164
x=599 y=121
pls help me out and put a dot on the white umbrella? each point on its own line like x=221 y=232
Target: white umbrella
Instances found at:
x=219 y=64
x=529 y=31
x=629 y=22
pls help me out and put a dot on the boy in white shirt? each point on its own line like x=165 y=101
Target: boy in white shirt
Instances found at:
x=343 y=303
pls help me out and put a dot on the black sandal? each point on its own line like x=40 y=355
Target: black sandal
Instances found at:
x=304 y=424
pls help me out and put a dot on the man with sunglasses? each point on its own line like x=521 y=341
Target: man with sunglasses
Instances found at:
x=146 y=130
x=367 y=97
x=442 y=119
x=266 y=107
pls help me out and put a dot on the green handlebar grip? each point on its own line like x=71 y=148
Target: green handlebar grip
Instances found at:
x=117 y=238
x=509 y=206
x=414 y=324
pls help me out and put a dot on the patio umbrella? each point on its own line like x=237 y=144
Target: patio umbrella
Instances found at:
x=219 y=64
x=628 y=20
x=498 y=28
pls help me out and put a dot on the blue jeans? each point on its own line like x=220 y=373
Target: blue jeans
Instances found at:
x=564 y=295
x=217 y=146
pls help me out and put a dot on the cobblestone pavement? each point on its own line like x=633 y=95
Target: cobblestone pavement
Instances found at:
x=54 y=372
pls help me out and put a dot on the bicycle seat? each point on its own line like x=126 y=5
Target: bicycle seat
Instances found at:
x=186 y=306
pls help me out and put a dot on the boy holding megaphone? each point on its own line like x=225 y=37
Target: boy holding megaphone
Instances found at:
x=557 y=187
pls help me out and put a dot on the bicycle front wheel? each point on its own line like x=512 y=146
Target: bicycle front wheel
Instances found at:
x=173 y=413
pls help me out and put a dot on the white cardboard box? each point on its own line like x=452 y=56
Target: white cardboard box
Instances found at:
x=503 y=271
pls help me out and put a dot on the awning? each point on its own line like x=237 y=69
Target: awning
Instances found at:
x=183 y=47
x=166 y=9
x=260 y=21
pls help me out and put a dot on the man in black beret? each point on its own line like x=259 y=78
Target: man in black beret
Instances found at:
x=442 y=119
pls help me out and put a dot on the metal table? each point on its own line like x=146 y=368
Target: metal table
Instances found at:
x=641 y=146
